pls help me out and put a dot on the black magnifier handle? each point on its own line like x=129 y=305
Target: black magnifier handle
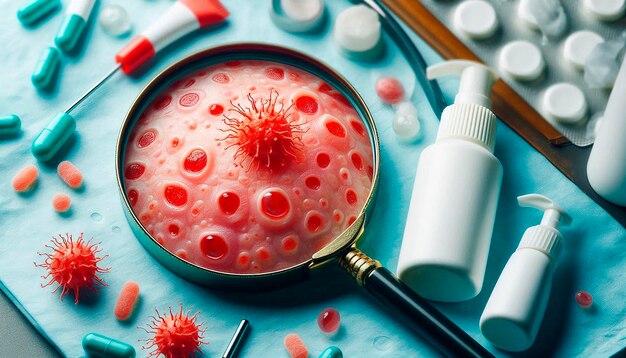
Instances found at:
x=424 y=317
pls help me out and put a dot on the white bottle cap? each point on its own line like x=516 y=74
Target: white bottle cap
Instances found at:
x=516 y=306
x=470 y=116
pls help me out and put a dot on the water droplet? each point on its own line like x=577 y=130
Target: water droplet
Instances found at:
x=116 y=229
x=96 y=216
x=383 y=343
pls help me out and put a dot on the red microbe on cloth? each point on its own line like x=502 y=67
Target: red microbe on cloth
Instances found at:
x=174 y=335
x=73 y=265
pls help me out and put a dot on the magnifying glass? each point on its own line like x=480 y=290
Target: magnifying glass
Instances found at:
x=245 y=166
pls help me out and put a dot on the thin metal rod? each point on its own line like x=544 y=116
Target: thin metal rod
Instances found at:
x=95 y=87
x=231 y=350
x=413 y=56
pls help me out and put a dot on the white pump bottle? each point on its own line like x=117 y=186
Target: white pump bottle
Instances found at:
x=516 y=306
x=455 y=195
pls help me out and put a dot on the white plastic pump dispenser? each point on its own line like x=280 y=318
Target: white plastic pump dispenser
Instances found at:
x=455 y=195
x=606 y=168
x=516 y=306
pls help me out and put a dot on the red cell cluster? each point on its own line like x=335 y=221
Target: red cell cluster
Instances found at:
x=275 y=204
x=228 y=202
x=175 y=335
x=189 y=99
x=306 y=104
x=175 y=195
x=195 y=161
x=146 y=138
x=72 y=265
x=275 y=73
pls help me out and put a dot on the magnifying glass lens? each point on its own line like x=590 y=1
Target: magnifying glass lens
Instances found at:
x=248 y=166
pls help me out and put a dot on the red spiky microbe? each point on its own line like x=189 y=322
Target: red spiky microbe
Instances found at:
x=264 y=133
x=174 y=335
x=73 y=265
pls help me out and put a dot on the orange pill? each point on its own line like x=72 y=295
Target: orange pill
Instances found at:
x=295 y=346
x=70 y=174
x=25 y=179
x=61 y=203
x=127 y=300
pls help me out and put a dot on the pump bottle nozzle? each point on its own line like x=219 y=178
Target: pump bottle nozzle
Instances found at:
x=553 y=214
x=476 y=80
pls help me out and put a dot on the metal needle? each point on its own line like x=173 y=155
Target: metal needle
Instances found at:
x=236 y=340
x=95 y=87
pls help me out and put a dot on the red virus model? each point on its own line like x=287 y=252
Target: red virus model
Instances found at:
x=175 y=335
x=73 y=265
x=264 y=132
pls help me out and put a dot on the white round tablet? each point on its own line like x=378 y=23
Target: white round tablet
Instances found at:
x=357 y=29
x=606 y=10
x=303 y=10
x=565 y=103
x=476 y=19
x=522 y=60
x=525 y=15
x=578 y=46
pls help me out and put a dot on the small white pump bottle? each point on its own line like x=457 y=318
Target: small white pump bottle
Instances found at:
x=606 y=168
x=455 y=195
x=516 y=306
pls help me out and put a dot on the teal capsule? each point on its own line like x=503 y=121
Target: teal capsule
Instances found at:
x=99 y=346
x=332 y=352
x=70 y=33
x=10 y=125
x=37 y=10
x=52 y=138
x=47 y=68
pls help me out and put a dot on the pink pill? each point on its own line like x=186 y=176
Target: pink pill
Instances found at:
x=295 y=346
x=584 y=299
x=61 y=203
x=390 y=90
x=127 y=300
x=70 y=174
x=328 y=320
x=25 y=179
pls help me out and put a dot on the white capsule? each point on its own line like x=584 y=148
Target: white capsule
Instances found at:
x=406 y=124
x=114 y=20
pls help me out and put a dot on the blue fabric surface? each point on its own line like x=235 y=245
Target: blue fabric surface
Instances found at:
x=594 y=257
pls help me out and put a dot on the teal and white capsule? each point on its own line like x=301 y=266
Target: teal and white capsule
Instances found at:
x=332 y=352
x=99 y=346
x=36 y=11
x=52 y=138
x=10 y=125
x=47 y=68
x=73 y=26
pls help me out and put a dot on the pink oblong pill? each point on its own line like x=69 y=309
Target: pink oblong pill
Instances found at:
x=25 y=178
x=70 y=174
x=127 y=300
x=295 y=346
